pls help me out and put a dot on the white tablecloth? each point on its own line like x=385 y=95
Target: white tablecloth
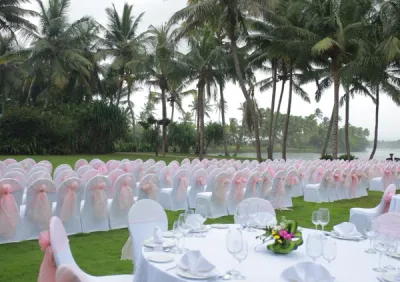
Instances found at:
x=352 y=264
x=395 y=204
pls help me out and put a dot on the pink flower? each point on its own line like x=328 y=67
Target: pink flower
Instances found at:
x=283 y=233
x=288 y=237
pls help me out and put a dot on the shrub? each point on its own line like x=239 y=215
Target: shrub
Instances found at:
x=344 y=157
x=327 y=157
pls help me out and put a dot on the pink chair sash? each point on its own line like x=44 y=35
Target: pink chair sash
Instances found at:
x=9 y=213
x=238 y=188
x=302 y=177
x=292 y=180
x=168 y=177
x=41 y=207
x=68 y=208
x=151 y=190
x=272 y=171
x=125 y=197
x=354 y=183
x=266 y=187
x=254 y=183
x=220 y=191
x=99 y=200
x=387 y=200
x=201 y=181
x=48 y=268
x=182 y=188
x=319 y=176
x=387 y=178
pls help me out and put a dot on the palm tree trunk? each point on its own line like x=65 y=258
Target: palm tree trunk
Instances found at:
x=172 y=111
x=249 y=101
x=271 y=115
x=376 y=124
x=277 y=116
x=197 y=151
x=328 y=135
x=335 y=128
x=221 y=93
x=239 y=142
x=200 y=102
x=346 y=125
x=164 y=125
x=286 y=129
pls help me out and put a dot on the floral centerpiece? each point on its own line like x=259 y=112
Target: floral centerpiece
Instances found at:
x=285 y=235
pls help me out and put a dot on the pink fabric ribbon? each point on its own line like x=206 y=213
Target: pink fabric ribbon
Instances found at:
x=387 y=200
x=168 y=177
x=125 y=197
x=151 y=190
x=354 y=183
x=292 y=180
x=69 y=204
x=201 y=181
x=337 y=178
x=41 y=206
x=266 y=187
x=272 y=171
x=182 y=188
x=220 y=191
x=99 y=200
x=238 y=192
x=387 y=178
x=254 y=183
x=48 y=268
x=9 y=213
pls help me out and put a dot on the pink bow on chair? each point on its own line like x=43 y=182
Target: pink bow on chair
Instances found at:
x=354 y=183
x=272 y=171
x=183 y=185
x=387 y=200
x=254 y=183
x=69 y=204
x=99 y=200
x=220 y=191
x=48 y=268
x=292 y=180
x=387 y=178
x=41 y=207
x=266 y=187
x=125 y=197
x=151 y=190
x=9 y=213
x=201 y=181
x=238 y=192
x=168 y=177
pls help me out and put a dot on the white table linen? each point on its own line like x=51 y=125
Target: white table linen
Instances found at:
x=351 y=263
x=395 y=203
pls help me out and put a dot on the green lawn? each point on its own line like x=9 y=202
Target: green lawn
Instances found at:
x=98 y=253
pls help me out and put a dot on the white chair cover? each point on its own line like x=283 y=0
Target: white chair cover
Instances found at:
x=80 y=163
x=197 y=185
x=81 y=171
x=149 y=188
x=236 y=191
x=264 y=206
x=64 y=175
x=175 y=198
x=253 y=186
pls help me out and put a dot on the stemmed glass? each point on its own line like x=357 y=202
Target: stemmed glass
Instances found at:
x=391 y=248
x=316 y=217
x=379 y=246
x=329 y=250
x=234 y=244
x=370 y=233
x=253 y=214
x=201 y=217
x=314 y=246
x=324 y=219
x=241 y=215
x=185 y=228
x=180 y=240
x=241 y=256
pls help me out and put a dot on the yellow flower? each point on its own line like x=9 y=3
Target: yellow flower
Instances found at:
x=277 y=237
x=280 y=241
x=273 y=232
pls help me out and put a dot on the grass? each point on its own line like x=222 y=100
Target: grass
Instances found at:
x=98 y=253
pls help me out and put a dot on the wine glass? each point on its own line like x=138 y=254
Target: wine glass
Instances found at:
x=316 y=216
x=379 y=246
x=324 y=220
x=234 y=244
x=370 y=233
x=185 y=228
x=241 y=215
x=253 y=214
x=241 y=256
x=314 y=246
x=201 y=217
x=329 y=250
x=391 y=248
x=180 y=241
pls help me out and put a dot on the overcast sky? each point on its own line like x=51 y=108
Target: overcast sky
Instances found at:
x=158 y=11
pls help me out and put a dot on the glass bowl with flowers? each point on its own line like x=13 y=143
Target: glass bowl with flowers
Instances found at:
x=285 y=236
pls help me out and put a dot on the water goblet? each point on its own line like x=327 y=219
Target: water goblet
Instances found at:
x=314 y=246
x=391 y=249
x=329 y=250
x=179 y=239
x=316 y=216
x=241 y=256
x=253 y=214
x=370 y=233
x=201 y=217
x=234 y=245
x=324 y=219
x=241 y=215
x=379 y=246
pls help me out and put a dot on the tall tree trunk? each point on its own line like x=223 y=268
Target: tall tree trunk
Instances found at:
x=133 y=120
x=277 y=116
x=249 y=101
x=164 y=124
x=197 y=150
x=271 y=115
x=335 y=127
x=172 y=111
x=346 y=126
x=221 y=93
x=239 y=142
x=328 y=135
x=376 y=124
x=200 y=101
x=286 y=129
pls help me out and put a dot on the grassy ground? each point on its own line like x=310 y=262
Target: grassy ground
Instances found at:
x=98 y=253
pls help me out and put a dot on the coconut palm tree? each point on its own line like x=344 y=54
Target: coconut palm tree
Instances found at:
x=13 y=17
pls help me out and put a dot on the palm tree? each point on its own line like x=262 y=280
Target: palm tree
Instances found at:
x=13 y=17
x=176 y=94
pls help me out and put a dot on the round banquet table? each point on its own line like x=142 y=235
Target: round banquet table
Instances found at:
x=395 y=203
x=351 y=263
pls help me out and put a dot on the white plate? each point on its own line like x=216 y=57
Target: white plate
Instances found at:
x=337 y=236
x=188 y=275
x=168 y=234
x=167 y=243
x=220 y=226
x=389 y=276
x=201 y=230
x=397 y=255
x=161 y=257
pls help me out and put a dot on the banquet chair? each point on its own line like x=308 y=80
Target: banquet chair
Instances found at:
x=388 y=224
x=297 y=190
x=185 y=161
x=112 y=165
x=264 y=207
x=211 y=168
x=382 y=182
x=175 y=198
x=9 y=161
x=37 y=211
x=123 y=199
x=277 y=193
x=14 y=166
x=112 y=176
x=2 y=167
x=79 y=163
x=64 y=175
x=353 y=180
x=68 y=205
x=291 y=181
x=89 y=175
x=318 y=193
x=93 y=161
x=210 y=179
x=310 y=175
x=166 y=175
x=363 y=181
x=64 y=259
x=61 y=168
x=266 y=185
x=10 y=200
x=94 y=213
x=216 y=200
x=161 y=163
x=47 y=164
x=41 y=166
x=37 y=175
x=236 y=191
x=81 y=171
x=360 y=216
x=17 y=175
x=253 y=185
x=197 y=185
x=149 y=188
x=143 y=217
x=101 y=167
x=344 y=184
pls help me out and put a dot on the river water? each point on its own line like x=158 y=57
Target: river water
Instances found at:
x=380 y=154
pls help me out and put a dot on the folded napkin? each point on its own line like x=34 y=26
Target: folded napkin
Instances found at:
x=158 y=236
x=194 y=221
x=347 y=229
x=306 y=272
x=265 y=219
x=196 y=264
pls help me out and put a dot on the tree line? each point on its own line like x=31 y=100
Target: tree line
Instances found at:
x=348 y=44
